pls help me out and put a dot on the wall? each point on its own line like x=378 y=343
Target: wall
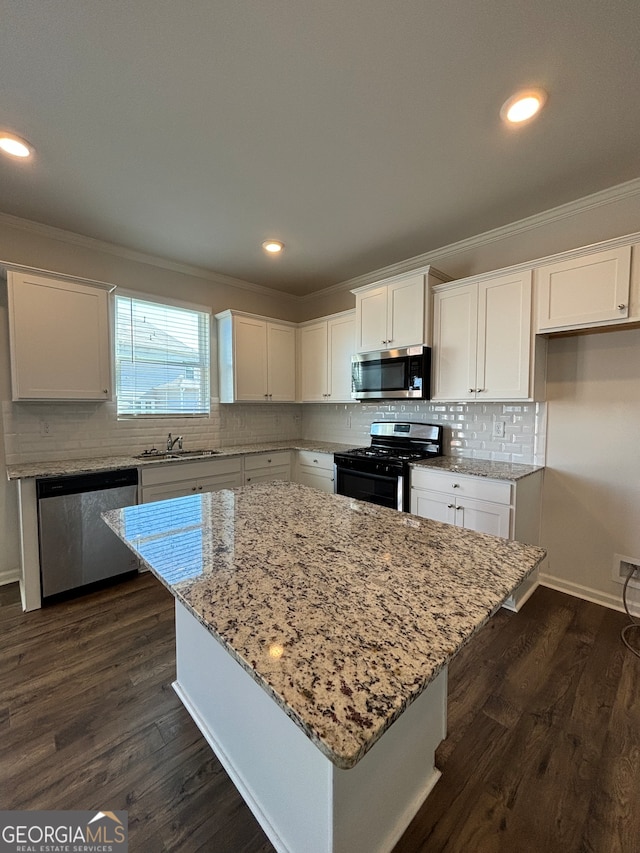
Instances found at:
x=592 y=482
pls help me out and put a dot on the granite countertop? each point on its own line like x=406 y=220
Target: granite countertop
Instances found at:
x=113 y=463
x=342 y=611
x=479 y=467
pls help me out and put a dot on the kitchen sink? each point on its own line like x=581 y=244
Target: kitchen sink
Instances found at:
x=175 y=454
x=180 y=454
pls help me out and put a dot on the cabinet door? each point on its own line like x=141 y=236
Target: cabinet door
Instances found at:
x=250 y=359
x=582 y=292
x=405 y=301
x=313 y=363
x=455 y=335
x=267 y=475
x=484 y=517
x=281 y=363
x=433 y=505
x=341 y=346
x=371 y=320
x=504 y=337
x=316 y=478
x=59 y=339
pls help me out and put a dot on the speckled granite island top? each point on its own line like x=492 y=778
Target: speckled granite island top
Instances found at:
x=342 y=611
x=480 y=467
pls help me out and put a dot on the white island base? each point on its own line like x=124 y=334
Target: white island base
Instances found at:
x=304 y=802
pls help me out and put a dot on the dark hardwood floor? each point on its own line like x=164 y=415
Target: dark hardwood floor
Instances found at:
x=543 y=752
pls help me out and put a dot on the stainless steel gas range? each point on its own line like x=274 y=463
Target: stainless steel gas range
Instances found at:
x=380 y=473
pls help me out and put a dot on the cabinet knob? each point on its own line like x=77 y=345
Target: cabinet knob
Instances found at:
x=248 y=479
x=269 y=461
x=105 y=390
x=455 y=486
x=451 y=506
x=480 y=390
x=315 y=461
x=621 y=307
x=193 y=488
x=267 y=396
x=472 y=390
x=199 y=488
x=458 y=507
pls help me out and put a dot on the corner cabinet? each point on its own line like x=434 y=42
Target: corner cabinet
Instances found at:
x=506 y=508
x=395 y=313
x=483 y=344
x=584 y=292
x=256 y=359
x=325 y=349
x=59 y=338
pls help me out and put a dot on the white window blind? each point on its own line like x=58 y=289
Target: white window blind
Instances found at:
x=161 y=358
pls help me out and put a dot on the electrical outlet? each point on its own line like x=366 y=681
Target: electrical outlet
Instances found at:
x=622 y=566
x=498 y=429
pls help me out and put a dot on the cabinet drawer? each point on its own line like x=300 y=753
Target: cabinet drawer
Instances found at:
x=267 y=460
x=266 y=475
x=310 y=459
x=497 y=491
x=174 y=472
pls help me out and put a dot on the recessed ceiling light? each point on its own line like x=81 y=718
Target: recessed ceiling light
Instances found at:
x=523 y=106
x=273 y=246
x=15 y=145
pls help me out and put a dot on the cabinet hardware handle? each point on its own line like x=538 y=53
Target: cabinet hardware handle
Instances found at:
x=248 y=479
x=459 y=507
x=455 y=486
x=266 y=395
x=621 y=307
x=193 y=488
x=269 y=461
x=472 y=390
x=106 y=390
x=479 y=390
x=451 y=506
x=315 y=461
x=199 y=488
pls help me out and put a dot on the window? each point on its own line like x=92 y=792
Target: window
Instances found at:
x=161 y=358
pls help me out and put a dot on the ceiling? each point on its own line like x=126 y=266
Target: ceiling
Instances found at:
x=359 y=132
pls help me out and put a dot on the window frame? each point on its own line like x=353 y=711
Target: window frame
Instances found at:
x=170 y=302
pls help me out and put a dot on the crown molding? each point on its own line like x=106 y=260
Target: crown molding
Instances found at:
x=436 y=256
x=93 y=243
x=530 y=223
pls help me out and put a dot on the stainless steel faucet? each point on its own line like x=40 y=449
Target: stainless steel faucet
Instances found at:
x=172 y=441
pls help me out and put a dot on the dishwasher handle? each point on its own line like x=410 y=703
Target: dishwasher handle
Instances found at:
x=76 y=484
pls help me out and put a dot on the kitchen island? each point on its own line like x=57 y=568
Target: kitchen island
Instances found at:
x=313 y=636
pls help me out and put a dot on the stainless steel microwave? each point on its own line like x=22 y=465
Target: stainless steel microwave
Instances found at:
x=395 y=374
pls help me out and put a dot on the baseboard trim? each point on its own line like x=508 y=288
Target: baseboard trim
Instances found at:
x=9 y=576
x=595 y=596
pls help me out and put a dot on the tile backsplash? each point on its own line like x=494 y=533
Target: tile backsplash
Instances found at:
x=468 y=427
x=35 y=432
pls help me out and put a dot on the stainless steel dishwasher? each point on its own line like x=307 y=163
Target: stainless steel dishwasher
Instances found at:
x=76 y=546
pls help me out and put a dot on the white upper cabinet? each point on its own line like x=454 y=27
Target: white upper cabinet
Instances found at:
x=59 y=339
x=585 y=291
x=482 y=339
x=325 y=351
x=396 y=313
x=256 y=359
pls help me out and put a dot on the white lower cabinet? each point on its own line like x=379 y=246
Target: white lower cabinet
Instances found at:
x=510 y=509
x=315 y=470
x=176 y=479
x=264 y=467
